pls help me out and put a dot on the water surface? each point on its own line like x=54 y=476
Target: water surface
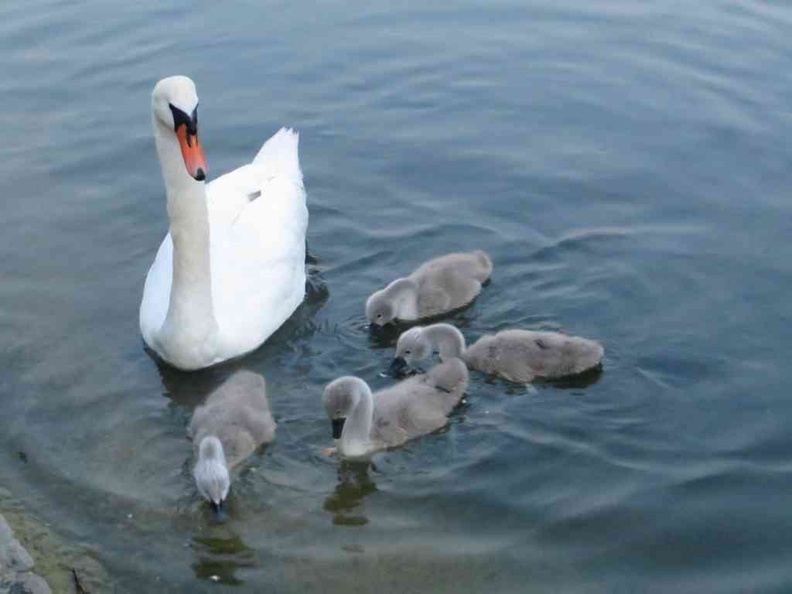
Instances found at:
x=625 y=164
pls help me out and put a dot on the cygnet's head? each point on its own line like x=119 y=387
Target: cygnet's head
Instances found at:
x=341 y=396
x=380 y=309
x=413 y=345
x=174 y=104
x=211 y=472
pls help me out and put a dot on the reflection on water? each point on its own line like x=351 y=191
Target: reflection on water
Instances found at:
x=580 y=381
x=385 y=337
x=220 y=555
x=190 y=389
x=354 y=485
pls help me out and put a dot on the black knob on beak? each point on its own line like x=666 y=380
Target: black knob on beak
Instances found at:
x=182 y=119
x=338 y=427
x=219 y=510
x=398 y=367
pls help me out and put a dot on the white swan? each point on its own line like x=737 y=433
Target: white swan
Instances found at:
x=364 y=423
x=232 y=268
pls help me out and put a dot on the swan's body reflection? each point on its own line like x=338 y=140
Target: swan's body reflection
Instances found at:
x=354 y=484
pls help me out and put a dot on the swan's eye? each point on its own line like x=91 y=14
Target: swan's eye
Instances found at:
x=379 y=316
x=407 y=352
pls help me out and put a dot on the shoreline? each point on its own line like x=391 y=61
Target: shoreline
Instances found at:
x=17 y=566
x=35 y=560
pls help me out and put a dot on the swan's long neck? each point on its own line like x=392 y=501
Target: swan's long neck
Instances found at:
x=448 y=340
x=355 y=438
x=190 y=311
x=404 y=293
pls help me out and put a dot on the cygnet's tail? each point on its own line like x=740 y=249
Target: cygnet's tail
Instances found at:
x=280 y=155
x=589 y=354
x=451 y=378
x=485 y=262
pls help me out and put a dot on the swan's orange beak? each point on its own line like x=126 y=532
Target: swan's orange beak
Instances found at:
x=186 y=129
x=194 y=158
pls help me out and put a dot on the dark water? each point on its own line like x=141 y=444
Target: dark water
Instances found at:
x=627 y=165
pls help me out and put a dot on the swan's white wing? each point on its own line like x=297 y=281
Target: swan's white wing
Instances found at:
x=258 y=220
x=230 y=194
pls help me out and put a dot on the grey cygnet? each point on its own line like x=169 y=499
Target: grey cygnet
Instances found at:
x=364 y=423
x=436 y=287
x=516 y=355
x=226 y=429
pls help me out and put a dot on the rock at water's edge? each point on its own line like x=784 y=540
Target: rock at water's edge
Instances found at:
x=16 y=564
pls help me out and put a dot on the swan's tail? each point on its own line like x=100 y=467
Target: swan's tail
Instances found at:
x=280 y=154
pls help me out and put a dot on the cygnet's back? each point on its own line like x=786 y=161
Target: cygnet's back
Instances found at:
x=238 y=414
x=450 y=282
x=418 y=405
x=436 y=287
x=522 y=355
x=475 y=265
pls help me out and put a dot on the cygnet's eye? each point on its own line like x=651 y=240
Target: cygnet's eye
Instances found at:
x=407 y=352
x=379 y=316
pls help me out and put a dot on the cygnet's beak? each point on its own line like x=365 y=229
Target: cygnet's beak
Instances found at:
x=186 y=128
x=338 y=428
x=398 y=367
x=219 y=510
